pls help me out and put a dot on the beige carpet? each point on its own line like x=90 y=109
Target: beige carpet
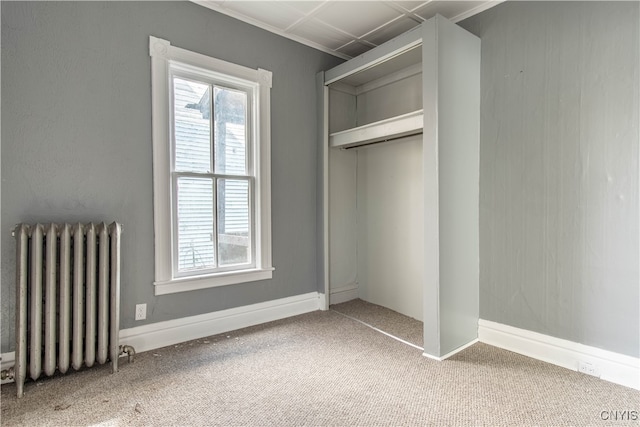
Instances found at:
x=320 y=368
x=384 y=319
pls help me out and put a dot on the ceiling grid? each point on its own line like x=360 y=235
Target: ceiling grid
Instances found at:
x=343 y=28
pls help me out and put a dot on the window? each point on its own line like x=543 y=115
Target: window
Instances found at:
x=211 y=170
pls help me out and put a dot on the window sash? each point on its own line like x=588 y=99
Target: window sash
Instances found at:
x=250 y=222
x=176 y=70
x=249 y=176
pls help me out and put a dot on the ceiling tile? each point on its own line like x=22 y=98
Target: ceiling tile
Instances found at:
x=409 y=5
x=303 y=6
x=390 y=30
x=356 y=17
x=322 y=34
x=448 y=9
x=276 y=14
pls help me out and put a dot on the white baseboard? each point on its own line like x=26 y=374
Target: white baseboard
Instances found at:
x=162 y=334
x=322 y=302
x=170 y=332
x=343 y=294
x=451 y=353
x=613 y=367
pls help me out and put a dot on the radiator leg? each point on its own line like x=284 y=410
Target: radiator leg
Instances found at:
x=114 y=296
x=20 y=368
x=129 y=351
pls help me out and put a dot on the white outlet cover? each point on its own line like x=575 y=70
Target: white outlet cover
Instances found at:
x=141 y=311
x=588 y=368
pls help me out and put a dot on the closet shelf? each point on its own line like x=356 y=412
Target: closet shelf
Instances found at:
x=384 y=130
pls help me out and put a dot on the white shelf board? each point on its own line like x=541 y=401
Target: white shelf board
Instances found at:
x=384 y=130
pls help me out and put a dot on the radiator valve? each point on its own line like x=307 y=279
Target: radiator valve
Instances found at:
x=7 y=374
x=129 y=351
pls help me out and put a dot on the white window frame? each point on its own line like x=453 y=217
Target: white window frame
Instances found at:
x=167 y=280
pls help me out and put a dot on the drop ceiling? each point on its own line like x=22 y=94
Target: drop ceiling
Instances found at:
x=343 y=28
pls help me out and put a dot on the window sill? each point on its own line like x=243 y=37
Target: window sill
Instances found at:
x=185 y=284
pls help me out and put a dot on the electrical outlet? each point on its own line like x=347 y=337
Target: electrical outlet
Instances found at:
x=588 y=368
x=141 y=311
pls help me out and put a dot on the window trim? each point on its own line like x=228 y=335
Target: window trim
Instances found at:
x=166 y=282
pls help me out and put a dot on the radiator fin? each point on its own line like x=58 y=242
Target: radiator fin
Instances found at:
x=50 y=301
x=35 y=362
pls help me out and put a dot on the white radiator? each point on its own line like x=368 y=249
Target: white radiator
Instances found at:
x=67 y=298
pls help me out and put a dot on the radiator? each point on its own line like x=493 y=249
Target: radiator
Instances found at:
x=67 y=298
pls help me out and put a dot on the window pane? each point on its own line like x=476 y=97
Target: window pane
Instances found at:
x=195 y=224
x=233 y=222
x=192 y=126
x=230 y=107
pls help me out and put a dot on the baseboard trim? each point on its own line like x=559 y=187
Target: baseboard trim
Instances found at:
x=451 y=353
x=322 y=302
x=343 y=294
x=162 y=334
x=170 y=332
x=614 y=367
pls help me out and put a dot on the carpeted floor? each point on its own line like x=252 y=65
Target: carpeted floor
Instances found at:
x=320 y=368
x=387 y=320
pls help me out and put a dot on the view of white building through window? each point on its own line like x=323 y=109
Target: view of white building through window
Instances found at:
x=210 y=169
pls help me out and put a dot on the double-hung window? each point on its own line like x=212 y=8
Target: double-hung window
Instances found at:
x=211 y=162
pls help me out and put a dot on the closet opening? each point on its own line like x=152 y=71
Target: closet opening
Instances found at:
x=400 y=186
x=376 y=198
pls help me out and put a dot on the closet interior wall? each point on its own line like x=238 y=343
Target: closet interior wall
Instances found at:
x=376 y=197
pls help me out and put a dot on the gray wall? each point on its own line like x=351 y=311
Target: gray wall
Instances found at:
x=559 y=170
x=76 y=137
